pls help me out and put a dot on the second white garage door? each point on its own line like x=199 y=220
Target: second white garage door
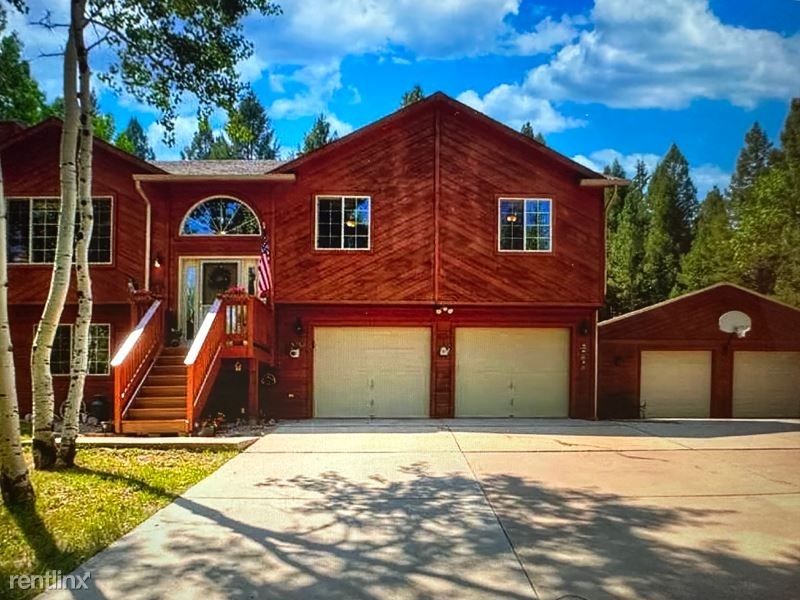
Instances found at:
x=512 y=372
x=676 y=384
x=766 y=384
x=372 y=371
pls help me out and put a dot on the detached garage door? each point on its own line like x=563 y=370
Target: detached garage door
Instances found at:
x=372 y=371
x=766 y=384
x=515 y=372
x=676 y=384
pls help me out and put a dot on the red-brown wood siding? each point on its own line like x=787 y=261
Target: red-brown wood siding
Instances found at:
x=478 y=166
x=24 y=319
x=395 y=168
x=292 y=396
x=32 y=169
x=688 y=323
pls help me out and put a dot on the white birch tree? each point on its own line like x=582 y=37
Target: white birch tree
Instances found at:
x=44 y=447
x=83 y=235
x=15 y=484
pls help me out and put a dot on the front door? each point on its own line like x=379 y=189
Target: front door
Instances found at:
x=202 y=279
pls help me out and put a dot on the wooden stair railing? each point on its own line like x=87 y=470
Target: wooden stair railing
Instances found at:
x=203 y=360
x=248 y=321
x=134 y=358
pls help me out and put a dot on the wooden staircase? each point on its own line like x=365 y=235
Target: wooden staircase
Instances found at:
x=160 y=404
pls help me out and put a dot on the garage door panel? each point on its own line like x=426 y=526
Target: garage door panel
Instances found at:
x=766 y=384
x=676 y=383
x=521 y=372
x=371 y=371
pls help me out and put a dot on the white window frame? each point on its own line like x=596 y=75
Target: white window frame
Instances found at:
x=70 y=327
x=342 y=198
x=30 y=200
x=524 y=216
x=182 y=233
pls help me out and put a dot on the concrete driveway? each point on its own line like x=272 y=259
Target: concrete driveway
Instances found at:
x=479 y=509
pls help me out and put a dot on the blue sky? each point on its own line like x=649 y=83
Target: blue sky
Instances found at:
x=600 y=79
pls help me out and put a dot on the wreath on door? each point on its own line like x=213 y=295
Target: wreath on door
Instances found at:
x=219 y=279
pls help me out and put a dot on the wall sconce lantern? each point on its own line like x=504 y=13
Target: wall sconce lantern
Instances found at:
x=298 y=326
x=584 y=328
x=237 y=366
x=444 y=351
x=294 y=350
x=158 y=261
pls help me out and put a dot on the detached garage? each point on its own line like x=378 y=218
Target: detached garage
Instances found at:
x=674 y=359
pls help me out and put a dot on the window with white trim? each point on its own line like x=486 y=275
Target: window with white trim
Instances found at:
x=525 y=224
x=33 y=229
x=220 y=216
x=99 y=350
x=343 y=223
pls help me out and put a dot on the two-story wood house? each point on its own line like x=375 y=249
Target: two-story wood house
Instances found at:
x=434 y=263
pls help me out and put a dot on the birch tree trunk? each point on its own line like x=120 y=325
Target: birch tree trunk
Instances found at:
x=15 y=485
x=44 y=448
x=80 y=333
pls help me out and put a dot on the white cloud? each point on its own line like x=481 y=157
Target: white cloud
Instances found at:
x=184 y=129
x=513 y=106
x=546 y=35
x=316 y=84
x=704 y=176
x=341 y=128
x=664 y=54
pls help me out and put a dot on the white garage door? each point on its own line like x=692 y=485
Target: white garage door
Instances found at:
x=512 y=372
x=676 y=384
x=372 y=371
x=766 y=384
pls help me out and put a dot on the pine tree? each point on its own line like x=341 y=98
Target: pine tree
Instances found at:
x=615 y=197
x=415 y=94
x=710 y=259
x=250 y=131
x=527 y=130
x=20 y=96
x=134 y=141
x=318 y=135
x=626 y=248
x=672 y=202
x=205 y=145
x=753 y=160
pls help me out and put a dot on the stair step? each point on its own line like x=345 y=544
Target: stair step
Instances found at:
x=155 y=414
x=170 y=359
x=157 y=426
x=154 y=402
x=174 y=350
x=152 y=389
x=174 y=370
x=166 y=379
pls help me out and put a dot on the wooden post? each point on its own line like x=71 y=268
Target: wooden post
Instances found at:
x=252 y=390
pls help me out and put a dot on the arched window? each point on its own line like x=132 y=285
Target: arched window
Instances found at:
x=220 y=216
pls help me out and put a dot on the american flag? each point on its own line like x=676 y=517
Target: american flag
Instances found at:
x=264 y=288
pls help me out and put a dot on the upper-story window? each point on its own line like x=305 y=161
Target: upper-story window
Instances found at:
x=343 y=222
x=33 y=229
x=526 y=224
x=221 y=216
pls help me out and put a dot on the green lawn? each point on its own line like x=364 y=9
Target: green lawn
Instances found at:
x=81 y=511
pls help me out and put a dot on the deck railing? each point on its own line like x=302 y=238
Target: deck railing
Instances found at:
x=135 y=357
x=248 y=320
x=203 y=360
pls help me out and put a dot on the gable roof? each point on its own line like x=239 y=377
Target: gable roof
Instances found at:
x=694 y=316
x=430 y=103
x=56 y=123
x=217 y=167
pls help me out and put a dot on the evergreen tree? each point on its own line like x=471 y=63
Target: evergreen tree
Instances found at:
x=20 y=96
x=207 y=146
x=415 y=94
x=250 y=131
x=615 y=197
x=318 y=135
x=710 y=259
x=672 y=203
x=626 y=248
x=134 y=141
x=102 y=124
x=527 y=130
x=767 y=240
x=753 y=160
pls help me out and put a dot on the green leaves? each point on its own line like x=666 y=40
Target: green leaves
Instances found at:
x=318 y=135
x=20 y=96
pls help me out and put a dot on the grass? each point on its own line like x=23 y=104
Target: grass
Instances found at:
x=79 y=512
